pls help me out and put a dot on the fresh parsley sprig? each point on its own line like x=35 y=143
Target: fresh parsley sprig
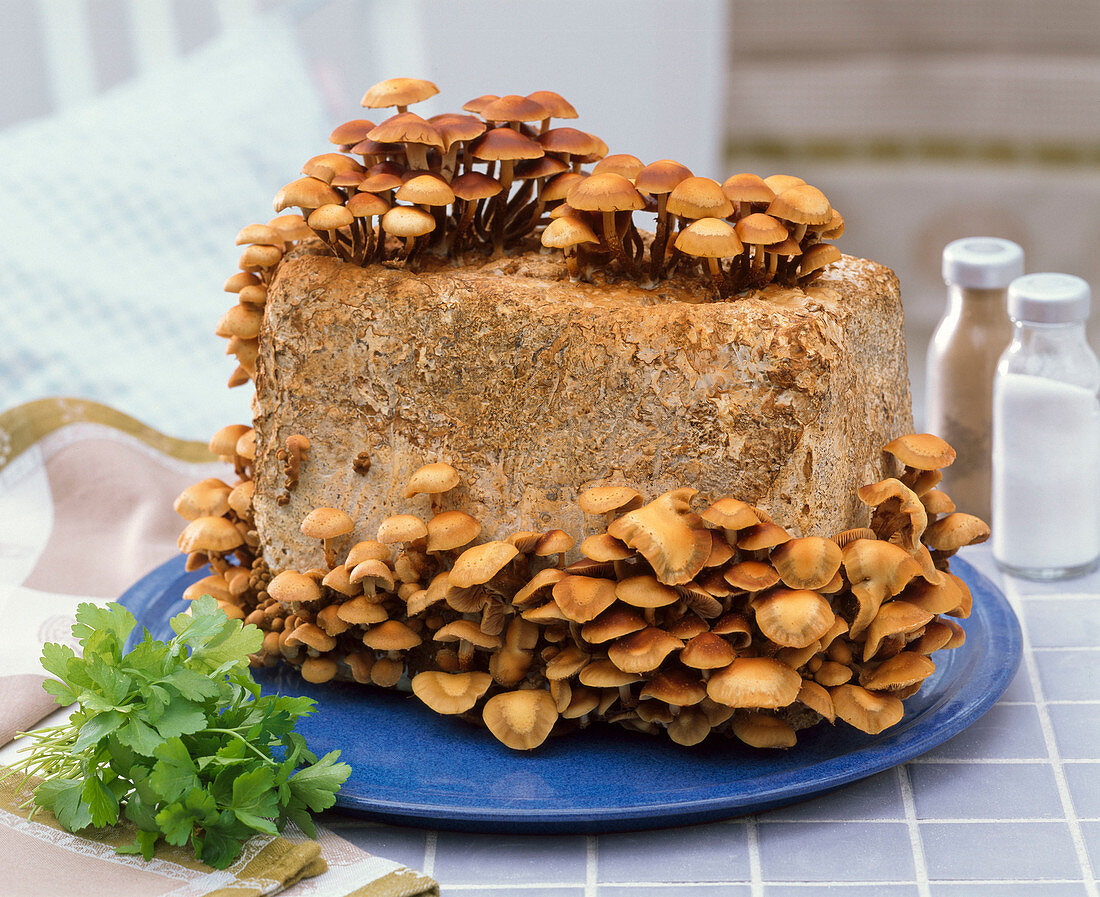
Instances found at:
x=175 y=737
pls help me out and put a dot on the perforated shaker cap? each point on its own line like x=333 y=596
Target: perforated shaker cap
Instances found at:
x=984 y=263
x=1049 y=298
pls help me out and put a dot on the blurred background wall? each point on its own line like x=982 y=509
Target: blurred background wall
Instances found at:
x=138 y=136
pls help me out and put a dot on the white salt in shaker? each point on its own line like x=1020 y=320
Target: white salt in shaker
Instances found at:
x=1046 y=433
x=962 y=359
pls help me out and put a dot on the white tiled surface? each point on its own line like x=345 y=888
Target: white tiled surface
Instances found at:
x=1008 y=808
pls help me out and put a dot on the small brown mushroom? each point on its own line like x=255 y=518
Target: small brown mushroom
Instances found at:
x=865 y=710
x=450 y=693
x=521 y=719
x=755 y=682
x=762 y=730
x=328 y=525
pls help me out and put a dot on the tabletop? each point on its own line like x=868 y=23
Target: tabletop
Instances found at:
x=1011 y=806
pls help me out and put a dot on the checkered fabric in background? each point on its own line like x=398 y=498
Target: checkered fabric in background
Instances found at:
x=120 y=228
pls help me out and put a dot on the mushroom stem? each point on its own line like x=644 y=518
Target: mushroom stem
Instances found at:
x=611 y=238
x=660 y=240
x=799 y=233
x=574 y=268
x=417 y=154
x=716 y=277
x=330 y=552
x=465 y=655
x=499 y=206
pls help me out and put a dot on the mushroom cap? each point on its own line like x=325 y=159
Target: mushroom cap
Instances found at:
x=817 y=699
x=751 y=576
x=380 y=181
x=237 y=282
x=448 y=530
x=386 y=672
x=604 y=674
x=326 y=523
x=667 y=534
x=481 y=563
x=698 y=197
x=620 y=163
x=450 y=693
x=214 y=585
x=554 y=541
x=835 y=227
x=426 y=190
x=607 y=192
x=432 y=479
x=817 y=257
x=401 y=528
x=955 y=531
x=687 y=627
x=807 y=563
x=391 y=635
x=761 y=536
x=921 y=451
x=361 y=612
x=583 y=598
x=474 y=185
x=350 y=132
x=746 y=187
x=755 y=682
x=661 y=177
x=676 y=687
x=206 y=498
x=605 y=547
x=327 y=167
x=898 y=672
x=339 y=580
x=306 y=193
x=312 y=636
x=569 y=142
x=801 y=204
x=514 y=108
x=374 y=571
x=224 y=442
x=330 y=621
x=366 y=205
x=690 y=727
x=319 y=670
x=259 y=233
x=893 y=618
x=521 y=719
x=566 y=663
x=865 y=710
x=291 y=227
x=544 y=579
x=780 y=182
x=582 y=701
x=760 y=229
x=645 y=591
x=762 y=730
x=605 y=499
x=478 y=103
x=793 y=618
x=936 y=502
x=707 y=651
x=505 y=145
x=292 y=587
x=398 y=92
x=453 y=126
x=613 y=623
x=709 y=238
x=731 y=514
x=368 y=549
x=642 y=651
x=561 y=233
x=212 y=534
x=406 y=221
x=554 y=103
x=735 y=627
x=788 y=247
x=467 y=631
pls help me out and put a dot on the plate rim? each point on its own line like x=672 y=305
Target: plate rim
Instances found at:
x=974 y=696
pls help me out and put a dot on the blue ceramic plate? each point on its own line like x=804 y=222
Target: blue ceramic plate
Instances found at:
x=413 y=767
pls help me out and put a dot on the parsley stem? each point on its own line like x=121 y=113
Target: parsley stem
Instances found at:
x=246 y=743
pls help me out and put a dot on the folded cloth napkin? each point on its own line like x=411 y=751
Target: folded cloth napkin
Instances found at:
x=85 y=510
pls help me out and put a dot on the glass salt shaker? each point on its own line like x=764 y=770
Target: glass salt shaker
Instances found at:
x=1046 y=433
x=962 y=358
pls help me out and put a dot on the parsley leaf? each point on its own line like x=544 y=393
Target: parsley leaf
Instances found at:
x=176 y=737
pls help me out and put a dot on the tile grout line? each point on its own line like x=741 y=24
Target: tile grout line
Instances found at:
x=756 y=875
x=531 y=886
x=1053 y=753
x=591 y=859
x=920 y=864
x=429 y=854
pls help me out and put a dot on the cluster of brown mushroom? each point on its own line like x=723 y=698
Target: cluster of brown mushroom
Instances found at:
x=670 y=619
x=494 y=179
